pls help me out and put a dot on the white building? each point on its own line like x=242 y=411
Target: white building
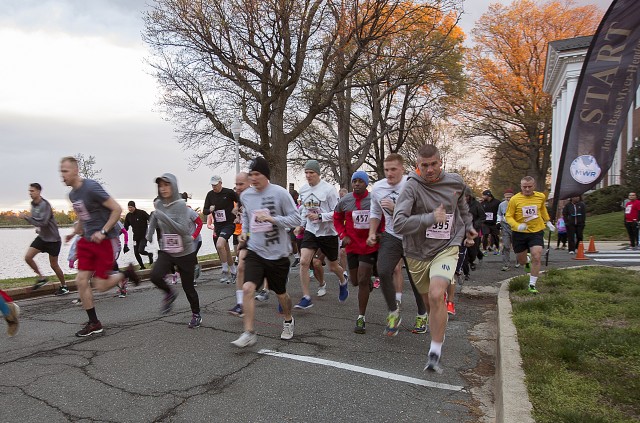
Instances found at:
x=564 y=63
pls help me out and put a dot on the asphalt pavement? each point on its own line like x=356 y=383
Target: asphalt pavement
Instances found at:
x=150 y=367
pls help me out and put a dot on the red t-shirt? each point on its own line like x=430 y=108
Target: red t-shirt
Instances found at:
x=631 y=211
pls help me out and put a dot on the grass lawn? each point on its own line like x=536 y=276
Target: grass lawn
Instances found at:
x=28 y=281
x=580 y=344
x=606 y=227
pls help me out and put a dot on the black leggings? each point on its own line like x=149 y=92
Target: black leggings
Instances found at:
x=185 y=265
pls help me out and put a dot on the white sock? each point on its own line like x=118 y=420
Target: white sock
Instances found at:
x=234 y=269
x=296 y=255
x=225 y=267
x=239 y=296
x=308 y=297
x=399 y=297
x=533 y=280
x=436 y=347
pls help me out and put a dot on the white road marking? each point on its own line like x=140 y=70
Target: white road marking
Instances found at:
x=619 y=259
x=359 y=369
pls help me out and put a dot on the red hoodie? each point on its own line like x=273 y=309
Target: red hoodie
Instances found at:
x=358 y=232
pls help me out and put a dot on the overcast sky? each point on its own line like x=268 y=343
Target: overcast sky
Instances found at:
x=74 y=80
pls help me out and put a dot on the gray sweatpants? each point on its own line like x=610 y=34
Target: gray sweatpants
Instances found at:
x=506 y=243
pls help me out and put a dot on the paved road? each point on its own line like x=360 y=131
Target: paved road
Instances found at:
x=148 y=367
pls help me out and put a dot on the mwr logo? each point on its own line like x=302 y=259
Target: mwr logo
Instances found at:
x=446 y=267
x=585 y=169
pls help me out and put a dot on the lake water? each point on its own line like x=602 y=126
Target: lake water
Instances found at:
x=14 y=244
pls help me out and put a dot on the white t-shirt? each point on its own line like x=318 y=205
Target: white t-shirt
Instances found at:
x=320 y=198
x=381 y=190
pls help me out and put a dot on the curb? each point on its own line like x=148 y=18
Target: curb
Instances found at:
x=50 y=288
x=512 y=399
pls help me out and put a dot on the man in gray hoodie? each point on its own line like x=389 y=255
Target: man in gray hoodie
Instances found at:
x=174 y=218
x=268 y=211
x=433 y=216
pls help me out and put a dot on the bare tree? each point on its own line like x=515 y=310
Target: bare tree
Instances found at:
x=86 y=168
x=276 y=63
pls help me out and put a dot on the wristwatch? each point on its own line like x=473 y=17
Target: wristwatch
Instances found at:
x=103 y=232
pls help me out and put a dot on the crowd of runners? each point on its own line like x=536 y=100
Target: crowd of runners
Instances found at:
x=426 y=223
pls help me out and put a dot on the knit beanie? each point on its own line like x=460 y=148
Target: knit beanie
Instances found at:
x=259 y=164
x=312 y=165
x=361 y=174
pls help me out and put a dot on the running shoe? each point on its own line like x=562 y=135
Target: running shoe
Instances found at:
x=467 y=277
x=122 y=292
x=505 y=268
x=527 y=268
x=532 y=289
x=311 y=274
x=224 y=278
x=262 y=296
x=12 y=319
x=247 y=339
x=517 y=265
x=360 y=325
x=89 y=329
x=451 y=308
x=233 y=278
x=344 y=292
x=196 y=321
x=304 y=304
x=433 y=363
x=150 y=255
x=63 y=290
x=472 y=266
x=296 y=262
x=376 y=283
x=236 y=310
x=197 y=271
x=496 y=252
x=346 y=276
x=393 y=324
x=322 y=290
x=167 y=302
x=287 y=330
x=131 y=274
x=420 y=325
x=39 y=284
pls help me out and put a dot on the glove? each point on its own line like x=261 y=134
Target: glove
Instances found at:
x=551 y=227
x=522 y=227
x=125 y=249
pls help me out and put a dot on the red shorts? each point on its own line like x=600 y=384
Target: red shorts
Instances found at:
x=6 y=296
x=97 y=258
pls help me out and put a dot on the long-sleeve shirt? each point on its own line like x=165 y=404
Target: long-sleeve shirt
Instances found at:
x=138 y=220
x=269 y=240
x=351 y=218
x=527 y=209
x=321 y=199
x=42 y=218
x=574 y=214
x=382 y=190
x=632 y=211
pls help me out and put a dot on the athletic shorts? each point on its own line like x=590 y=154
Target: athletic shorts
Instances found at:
x=225 y=231
x=51 y=248
x=94 y=257
x=329 y=245
x=235 y=239
x=276 y=271
x=354 y=260
x=442 y=265
x=522 y=241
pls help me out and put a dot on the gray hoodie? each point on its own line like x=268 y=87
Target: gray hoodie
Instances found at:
x=173 y=217
x=413 y=216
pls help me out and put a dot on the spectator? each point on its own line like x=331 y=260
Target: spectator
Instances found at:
x=574 y=214
x=631 y=217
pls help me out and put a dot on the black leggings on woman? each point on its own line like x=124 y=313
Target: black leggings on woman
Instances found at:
x=185 y=265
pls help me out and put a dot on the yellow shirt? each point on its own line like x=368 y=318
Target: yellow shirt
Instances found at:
x=530 y=210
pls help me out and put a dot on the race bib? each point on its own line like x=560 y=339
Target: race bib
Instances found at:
x=360 y=219
x=441 y=230
x=529 y=212
x=316 y=211
x=257 y=227
x=488 y=216
x=172 y=243
x=220 y=216
x=627 y=210
x=81 y=211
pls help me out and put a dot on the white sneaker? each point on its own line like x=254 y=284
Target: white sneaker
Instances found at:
x=287 y=330
x=322 y=290
x=247 y=339
x=262 y=296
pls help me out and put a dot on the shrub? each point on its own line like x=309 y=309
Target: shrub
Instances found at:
x=606 y=200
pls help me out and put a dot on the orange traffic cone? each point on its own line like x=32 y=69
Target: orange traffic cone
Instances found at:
x=592 y=246
x=580 y=255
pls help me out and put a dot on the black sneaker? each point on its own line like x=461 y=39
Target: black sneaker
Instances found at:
x=196 y=321
x=131 y=274
x=39 y=284
x=150 y=255
x=433 y=363
x=63 y=290
x=296 y=262
x=89 y=329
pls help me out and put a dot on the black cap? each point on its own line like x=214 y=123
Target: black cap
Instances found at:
x=487 y=192
x=259 y=164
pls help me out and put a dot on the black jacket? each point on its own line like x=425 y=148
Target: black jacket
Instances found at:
x=477 y=214
x=138 y=220
x=491 y=207
x=574 y=214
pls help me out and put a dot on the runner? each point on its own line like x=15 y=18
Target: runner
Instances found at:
x=138 y=220
x=352 y=221
x=268 y=211
x=10 y=311
x=527 y=215
x=220 y=202
x=490 y=229
x=242 y=183
x=318 y=200
x=176 y=245
x=507 y=234
x=384 y=195
x=98 y=214
x=433 y=215
x=48 y=239
x=196 y=229
x=631 y=219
